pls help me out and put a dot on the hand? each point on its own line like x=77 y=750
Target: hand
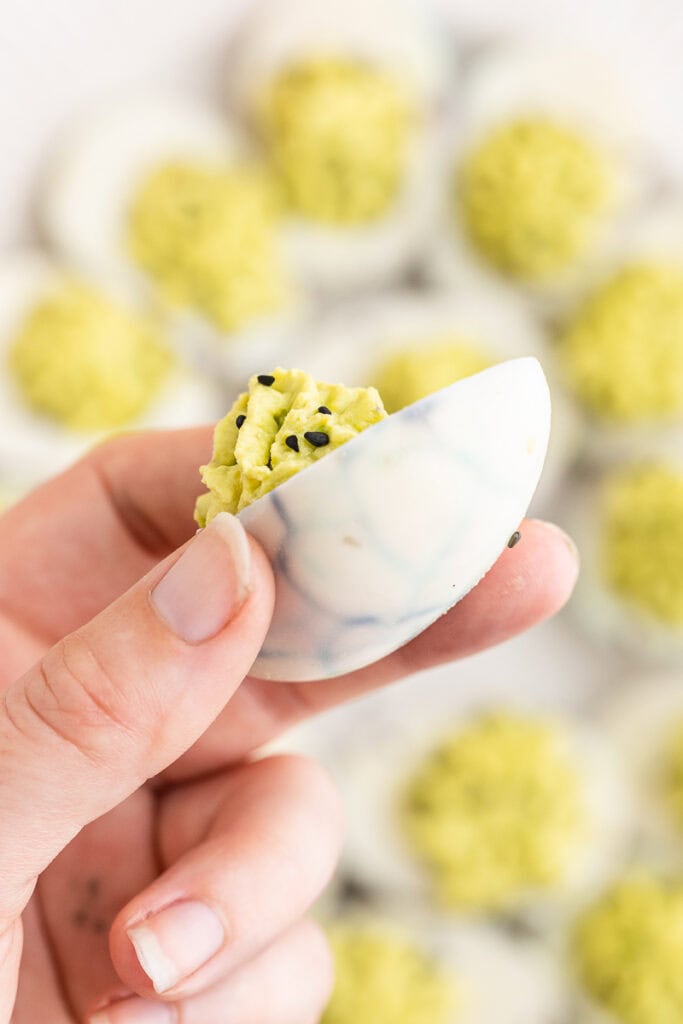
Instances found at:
x=153 y=873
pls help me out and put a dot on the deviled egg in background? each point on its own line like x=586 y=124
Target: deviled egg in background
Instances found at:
x=346 y=99
x=79 y=361
x=162 y=193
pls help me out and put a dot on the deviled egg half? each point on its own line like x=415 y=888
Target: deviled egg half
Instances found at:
x=78 y=361
x=628 y=524
x=416 y=970
x=624 y=952
x=621 y=346
x=543 y=171
x=409 y=345
x=505 y=813
x=161 y=192
x=345 y=97
x=395 y=517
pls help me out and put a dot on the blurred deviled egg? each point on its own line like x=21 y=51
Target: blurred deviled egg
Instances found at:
x=415 y=970
x=506 y=814
x=544 y=170
x=345 y=97
x=409 y=345
x=628 y=524
x=621 y=346
x=162 y=193
x=78 y=362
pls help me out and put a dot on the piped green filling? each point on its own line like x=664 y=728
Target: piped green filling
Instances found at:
x=285 y=422
x=413 y=372
x=494 y=812
x=623 y=349
x=531 y=196
x=207 y=237
x=382 y=978
x=338 y=133
x=86 y=362
x=642 y=540
x=628 y=951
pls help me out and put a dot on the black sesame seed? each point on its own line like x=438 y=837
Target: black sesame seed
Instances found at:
x=240 y=420
x=514 y=539
x=325 y=410
x=292 y=442
x=265 y=378
x=317 y=438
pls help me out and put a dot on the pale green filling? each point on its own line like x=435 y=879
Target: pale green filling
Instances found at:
x=642 y=540
x=495 y=811
x=338 y=133
x=623 y=349
x=628 y=951
x=413 y=372
x=207 y=237
x=531 y=196
x=252 y=456
x=86 y=362
x=382 y=978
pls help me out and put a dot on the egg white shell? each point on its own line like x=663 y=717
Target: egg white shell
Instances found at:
x=383 y=535
x=498 y=979
x=352 y=342
x=409 y=43
x=605 y=617
x=33 y=447
x=654 y=234
x=381 y=764
x=86 y=199
x=568 y=87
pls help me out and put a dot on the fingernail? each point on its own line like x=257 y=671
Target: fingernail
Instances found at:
x=566 y=539
x=206 y=587
x=135 y=1011
x=176 y=942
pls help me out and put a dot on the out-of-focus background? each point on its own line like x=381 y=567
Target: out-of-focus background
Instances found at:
x=401 y=195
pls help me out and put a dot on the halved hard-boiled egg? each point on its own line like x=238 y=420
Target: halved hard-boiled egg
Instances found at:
x=543 y=171
x=504 y=813
x=77 y=362
x=415 y=969
x=162 y=193
x=392 y=520
x=628 y=524
x=345 y=98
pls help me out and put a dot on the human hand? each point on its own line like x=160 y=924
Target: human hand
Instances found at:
x=153 y=873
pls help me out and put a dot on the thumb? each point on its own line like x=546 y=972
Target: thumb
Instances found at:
x=116 y=702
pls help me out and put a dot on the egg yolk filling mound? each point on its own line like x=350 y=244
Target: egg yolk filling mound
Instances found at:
x=86 y=362
x=382 y=978
x=207 y=237
x=494 y=812
x=285 y=422
x=623 y=350
x=642 y=540
x=338 y=133
x=628 y=951
x=413 y=372
x=531 y=195
x=672 y=774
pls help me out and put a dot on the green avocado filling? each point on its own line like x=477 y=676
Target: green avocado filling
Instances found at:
x=207 y=237
x=283 y=423
x=338 y=133
x=86 y=362
x=531 y=196
x=623 y=350
x=494 y=811
x=382 y=978
x=413 y=372
x=628 y=951
x=642 y=540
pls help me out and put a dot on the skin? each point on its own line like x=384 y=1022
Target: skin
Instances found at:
x=125 y=784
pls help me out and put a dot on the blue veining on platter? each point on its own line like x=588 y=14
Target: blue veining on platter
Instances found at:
x=383 y=535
